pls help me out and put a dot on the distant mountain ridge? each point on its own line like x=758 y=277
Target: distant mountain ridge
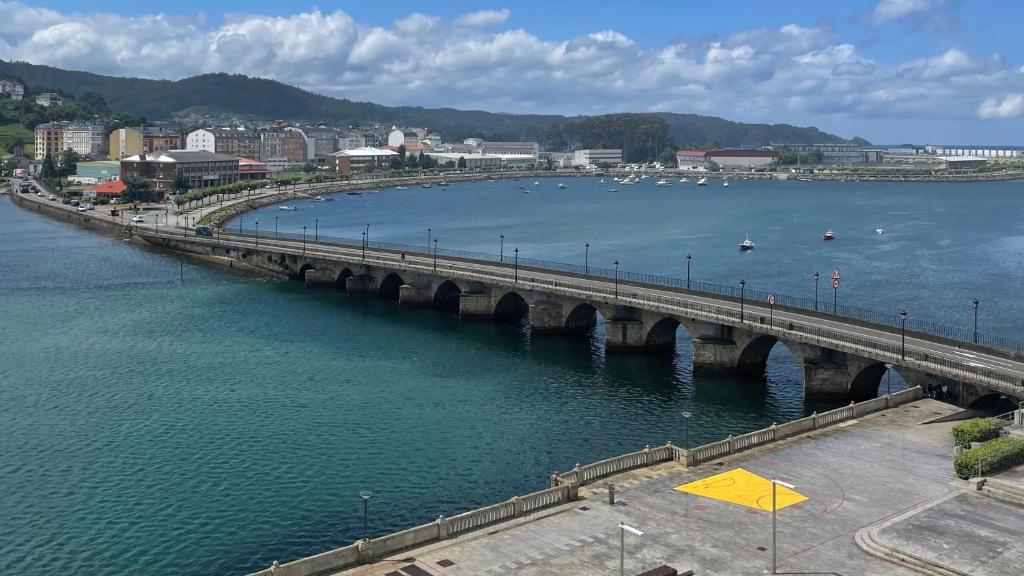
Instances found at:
x=259 y=98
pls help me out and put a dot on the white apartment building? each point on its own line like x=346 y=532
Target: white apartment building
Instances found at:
x=595 y=156
x=86 y=139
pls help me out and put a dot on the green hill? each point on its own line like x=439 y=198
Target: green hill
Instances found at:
x=268 y=99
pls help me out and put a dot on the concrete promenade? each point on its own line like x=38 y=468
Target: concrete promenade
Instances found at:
x=855 y=475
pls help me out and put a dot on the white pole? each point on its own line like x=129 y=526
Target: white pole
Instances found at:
x=623 y=528
x=776 y=483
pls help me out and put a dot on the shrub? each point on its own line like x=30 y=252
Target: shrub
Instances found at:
x=991 y=457
x=975 y=430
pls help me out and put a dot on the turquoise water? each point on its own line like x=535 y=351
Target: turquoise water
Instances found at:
x=211 y=426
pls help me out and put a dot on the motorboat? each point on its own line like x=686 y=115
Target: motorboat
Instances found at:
x=602 y=181
x=725 y=184
x=613 y=189
x=627 y=181
x=318 y=199
x=879 y=230
x=702 y=181
x=288 y=208
x=562 y=186
x=684 y=180
x=445 y=182
x=536 y=183
x=746 y=244
x=829 y=236
x=354 y=193
x=400 y=188
x=427 y=185
x=663 y=182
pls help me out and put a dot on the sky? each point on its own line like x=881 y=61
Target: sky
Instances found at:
x=891 y=71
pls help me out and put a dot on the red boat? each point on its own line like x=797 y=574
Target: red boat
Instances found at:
x=829 y=235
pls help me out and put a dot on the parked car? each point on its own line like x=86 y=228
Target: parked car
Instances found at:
x=66 y=201
x=138 y=219
x=82 y=208
x=203 y=231
x=90 y=207
x=75 y=202
x=52 y=197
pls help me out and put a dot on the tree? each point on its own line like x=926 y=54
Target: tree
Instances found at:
x=308 y=167
x=395 y=163
x=138 y=190
x=461 y=164
x=68 y=163
x=667 y=157
x=553 y=139
x=49 y=168
x=180 y=185
x=401 y=152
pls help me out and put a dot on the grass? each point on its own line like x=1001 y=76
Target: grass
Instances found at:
x=11 y=132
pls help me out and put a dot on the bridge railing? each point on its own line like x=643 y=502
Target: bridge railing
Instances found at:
x=891 y=320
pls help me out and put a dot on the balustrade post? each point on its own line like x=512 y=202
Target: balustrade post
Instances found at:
x=554 y=480
x=647 y=455
x=574 y=491
x=517 y=506
x=774 y=429
x=364 y=551
x=442 y=527
x=814 y=419
x=729 y=442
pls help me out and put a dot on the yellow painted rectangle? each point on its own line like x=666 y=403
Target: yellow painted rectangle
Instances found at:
x=739 y=486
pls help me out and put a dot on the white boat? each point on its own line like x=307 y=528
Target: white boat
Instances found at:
x=602 y=181
x=562 y=186
x=318 y=199
x=627 y=181
x=427 y=185
x=725 y=184
x=613 y=190
x=684 y=180
x=703 y=181
x=536 y=183
x=663 y=182
x=289 y=208
x=829 y=235
x=400 y=188
x=445 y=182
x=879 y=230
x=746 y=244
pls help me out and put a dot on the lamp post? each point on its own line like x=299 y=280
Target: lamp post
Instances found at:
x=903 y=334
x=775 y=484
x=365 y=495
x=586 y=258
x=435 y=254
x=816 y=291
x=888 y=379
x=316 y=229
x=616 y=278
x=501 y=247
x=303 y=240
x=686 y=430
x=623 y=528
x=257 y=233
x=743 y=287
x=363 y=244
x=367 y=233
x=689 y=257
x=975 y=302
x=275 y=226
x=428 y=239
x=240 y=218
x=515 y=277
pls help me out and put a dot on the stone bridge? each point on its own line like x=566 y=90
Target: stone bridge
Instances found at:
x=840 y=358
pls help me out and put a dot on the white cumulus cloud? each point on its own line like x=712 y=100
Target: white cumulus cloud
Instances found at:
x=1009 y=106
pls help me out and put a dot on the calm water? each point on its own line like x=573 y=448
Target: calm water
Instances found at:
x=212 y=426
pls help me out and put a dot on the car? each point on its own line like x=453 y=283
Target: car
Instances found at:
x=138 y=219
x=75 y=202
x=52 y=197
x=90 y=207
x=203 y=231
x=66 y=201
x=82 y=208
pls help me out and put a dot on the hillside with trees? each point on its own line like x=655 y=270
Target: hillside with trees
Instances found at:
x=258 y=98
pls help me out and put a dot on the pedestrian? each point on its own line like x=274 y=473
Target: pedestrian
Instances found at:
x=403 y=256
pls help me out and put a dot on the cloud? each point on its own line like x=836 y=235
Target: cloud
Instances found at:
x=1010 y=106
x=929 y=15
x=791 y=73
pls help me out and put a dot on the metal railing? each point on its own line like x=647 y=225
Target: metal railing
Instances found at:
x=844 y=312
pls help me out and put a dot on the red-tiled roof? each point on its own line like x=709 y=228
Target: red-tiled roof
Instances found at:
x=112 y=188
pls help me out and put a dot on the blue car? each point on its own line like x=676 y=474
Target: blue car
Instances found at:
x=203 y=231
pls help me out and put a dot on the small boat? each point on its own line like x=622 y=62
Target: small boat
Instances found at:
x=318 y=199
x=400 y=188
x=536 y=183
x=829 y=236
x=445 y=182
x=602 y=181
x=746 y=244
x=562 y=186
x=879 y=230
x=703 y=181
x=725 y=184
x=329 y=199
x=427 y=185
x=354 y=193
x=663 y=182
x=613 y=190
x=684 y=180
x=627 y=181
x=289 y=208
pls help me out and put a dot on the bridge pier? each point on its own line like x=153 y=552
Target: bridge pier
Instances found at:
x=320 y=278
x=362 y=284
x=410 y=296
x=547 y=318
x=476 y=306
x=625 y=336
x=714 y=347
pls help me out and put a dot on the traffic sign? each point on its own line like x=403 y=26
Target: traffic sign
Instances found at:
x=835 y=283
x=835 y=273
x=771 y=299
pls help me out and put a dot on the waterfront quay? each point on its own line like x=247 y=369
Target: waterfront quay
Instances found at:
x=863 y=480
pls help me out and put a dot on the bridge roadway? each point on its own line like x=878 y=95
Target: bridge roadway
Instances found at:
x=840 y=358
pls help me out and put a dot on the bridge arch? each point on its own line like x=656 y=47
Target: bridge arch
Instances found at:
x=995 y=403
x=446 y=297
x=301 y=274
x=753 y=359
x=662 y=335
x=582 y=319
x=389 y=286
x=512 y=308
x=343 y=276
x=872 y=382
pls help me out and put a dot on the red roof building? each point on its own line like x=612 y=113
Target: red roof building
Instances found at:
x=111 y=189
x=249 y=169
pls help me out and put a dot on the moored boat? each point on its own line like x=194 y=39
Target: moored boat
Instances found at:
x=829 y=236
x=746 y=244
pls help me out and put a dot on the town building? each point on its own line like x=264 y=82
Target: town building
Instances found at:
x=49 y=99
x=321 y=143
x=528 y=149
x=742 y=159
x=200 y=168
x=142 y=140
x=473 y=161
x=994 y=152
x=431 y=142
x=407 y=137
x=962 y=162
x=14 y=88
x=98 y=171
x=362 y=159
x=110 y=190
x=251 y=169
x=49 y=139
x=88 y=140
x=558 y=159
x=229 y=141
x=695 y=161
x=596 y=157
x=830 y=153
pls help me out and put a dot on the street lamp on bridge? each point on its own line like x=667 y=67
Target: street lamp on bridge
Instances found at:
x=257 y=233
x=689 y=257
x=903 y=334
x=303 y=240
x=816 y=291
x=428 y=239
x=743 y=287
x=586 y=258
x=976 y=303
x=435 y=254
x=501 y=247
x=316 y=229
x=363 y=244
x=515 y=277
x=616 y=278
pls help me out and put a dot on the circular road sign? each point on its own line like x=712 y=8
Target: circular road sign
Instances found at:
x=771 y=299
x=835 y=283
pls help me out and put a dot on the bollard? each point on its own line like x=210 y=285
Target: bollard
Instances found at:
x=611 y=492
